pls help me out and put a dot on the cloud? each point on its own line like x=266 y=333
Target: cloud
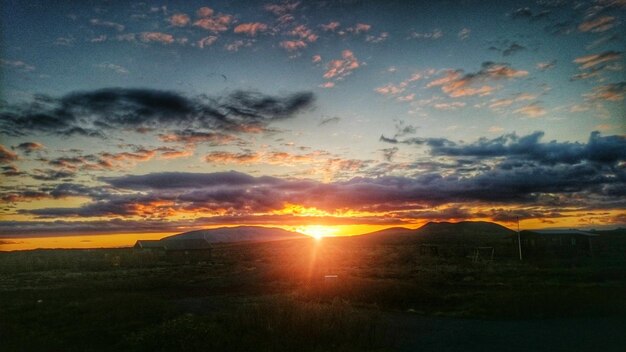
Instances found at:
x=527 y=13
x=609 y=92
x=190 y=136
x=215 y=24
x=464 y=33
x=281 y=9
x=7 y=156
x=207 y=41
x=532 y=110
x=496 y=104
x=547 y=65
x=10 y=171
x=250 y=29
x=113 y=67
x=29 y=147
x=520 y=170
x=232 y=158
x=205 y=12
x=359 y=28
x=107 y=24
x=435 y=34
x=293 y=45
x=598 y=149
x=18 y=65
x=512 y=49
x=179 y=20
x=101 y=111
x=599 y=24
x=329 y=120
x=389 y=153
x=330 y=26
x=303 y=33
x=52 y=175
x=327 y=85
x=589 y=61
x=377 y=39
x=340 y=68
x=163 y=38
x=316 y=58
x=456 y=84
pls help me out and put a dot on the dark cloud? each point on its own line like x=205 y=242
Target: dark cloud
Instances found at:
x=512 y=49
x=170 y=180
x=608 y=149
x=389 y=153
x=6 y=156
x=11 y=171
x=528 y=14
x=329 y=120
x=92 y=113
x=52 y=175
x=29 y=147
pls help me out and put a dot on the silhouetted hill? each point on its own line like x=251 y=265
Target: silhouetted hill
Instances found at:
x=238 y=234
x=435 y=232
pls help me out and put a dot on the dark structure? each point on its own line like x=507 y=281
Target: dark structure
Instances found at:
x=180 y=250
x=557 y=243
x=150 y=245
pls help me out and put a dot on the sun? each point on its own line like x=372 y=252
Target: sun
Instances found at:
x=317 y=231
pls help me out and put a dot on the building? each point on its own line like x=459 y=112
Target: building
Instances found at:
x=180 y=250
x=557 y=243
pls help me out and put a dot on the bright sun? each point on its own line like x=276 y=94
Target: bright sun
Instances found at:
x=317 y=231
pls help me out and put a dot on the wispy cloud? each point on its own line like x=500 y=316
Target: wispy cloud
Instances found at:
x=457 y=84
x=107 y=24
x=599 y=24
x=340 y=68
x=159 y=37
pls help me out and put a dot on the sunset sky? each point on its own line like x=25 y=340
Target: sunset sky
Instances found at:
x=333 y=117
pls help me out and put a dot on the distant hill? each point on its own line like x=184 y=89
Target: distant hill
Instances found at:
x=434 y=232
x=237 y=234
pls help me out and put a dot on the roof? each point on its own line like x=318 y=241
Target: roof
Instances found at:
x=149 y=244
x=561 y=232
x=186 y=244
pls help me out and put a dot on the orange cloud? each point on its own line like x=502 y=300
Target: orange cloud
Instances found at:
x=292 y=45
x=207 y=41
x=219 y=23
x=600 y=24
x=340 y=68
x=596 y=59
x=179 y=20
x=532 y=110
x=157 y=37
x=250 y=29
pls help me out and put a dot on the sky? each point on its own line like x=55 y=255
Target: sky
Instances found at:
x=326 y=117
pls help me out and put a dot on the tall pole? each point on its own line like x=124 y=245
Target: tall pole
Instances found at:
x=519 y=240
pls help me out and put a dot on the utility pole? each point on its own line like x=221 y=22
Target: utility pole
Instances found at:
x=519 y=240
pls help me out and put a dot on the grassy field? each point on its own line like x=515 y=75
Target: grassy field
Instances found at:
x=274 y=296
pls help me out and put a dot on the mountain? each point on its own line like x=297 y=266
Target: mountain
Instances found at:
x=435 y=232
x=237 y=234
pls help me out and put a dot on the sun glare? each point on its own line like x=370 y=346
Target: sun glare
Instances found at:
x=317 y=231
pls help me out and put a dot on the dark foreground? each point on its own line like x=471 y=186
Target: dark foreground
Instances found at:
x=274 y=297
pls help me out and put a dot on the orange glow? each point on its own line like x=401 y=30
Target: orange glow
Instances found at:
x=317 y=231
x=81 y=241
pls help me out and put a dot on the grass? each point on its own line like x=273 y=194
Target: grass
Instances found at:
x=273 y=296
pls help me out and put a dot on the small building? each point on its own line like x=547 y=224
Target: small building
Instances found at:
x=188 y=250
x=557 y=243
x=179 y=250
x=149 y=245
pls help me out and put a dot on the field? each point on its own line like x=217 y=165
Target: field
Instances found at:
x=284 y=296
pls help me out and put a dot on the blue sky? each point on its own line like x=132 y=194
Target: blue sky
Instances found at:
x=333 y=92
